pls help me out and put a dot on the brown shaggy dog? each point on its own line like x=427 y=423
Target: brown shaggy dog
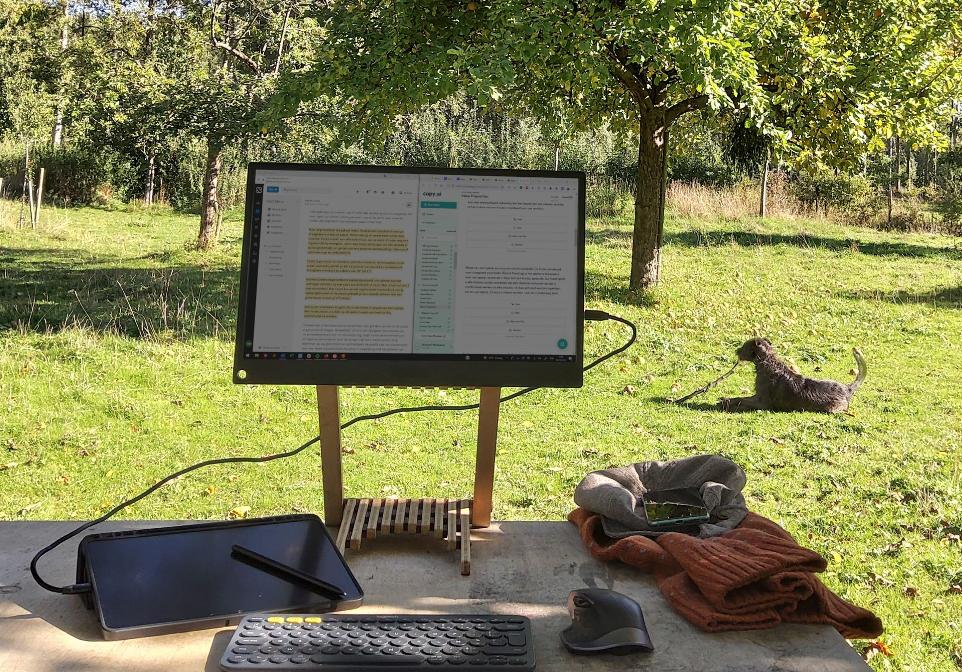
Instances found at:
x=779 y=388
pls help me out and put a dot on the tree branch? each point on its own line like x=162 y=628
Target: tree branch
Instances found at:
x=280 y=48
x=683 y=106
x=219 y=44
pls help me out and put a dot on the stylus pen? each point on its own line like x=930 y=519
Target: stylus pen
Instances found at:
x=287 y=572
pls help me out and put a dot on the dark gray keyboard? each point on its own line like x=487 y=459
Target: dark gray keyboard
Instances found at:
x=357 y=643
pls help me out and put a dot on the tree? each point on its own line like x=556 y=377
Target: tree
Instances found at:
x=155 y=72
x=252 y=42
x=802 y=74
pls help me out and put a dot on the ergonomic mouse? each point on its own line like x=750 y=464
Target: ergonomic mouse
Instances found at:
x=605 y=621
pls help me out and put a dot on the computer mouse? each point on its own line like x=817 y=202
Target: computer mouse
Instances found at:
x=605 y=621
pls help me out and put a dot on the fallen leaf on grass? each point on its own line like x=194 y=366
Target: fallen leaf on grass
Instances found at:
x=881 y=579
x=210 y=490
x=955 y=589
x=554 y=469
x=28 y=508
x=911 y=591
x=347 y=450
x=629 y=390
x=65 y=480
x=8 y=465
x=875 y=648
x=238 y=512
x=777 y=441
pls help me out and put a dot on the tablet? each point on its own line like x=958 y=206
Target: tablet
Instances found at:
x=172 y=579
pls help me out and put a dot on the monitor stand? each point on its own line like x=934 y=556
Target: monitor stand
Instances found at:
x=449 y=519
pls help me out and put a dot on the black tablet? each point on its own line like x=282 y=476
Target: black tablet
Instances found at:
x=172 y=579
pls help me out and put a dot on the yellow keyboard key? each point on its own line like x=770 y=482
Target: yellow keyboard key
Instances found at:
x=312 y=619
x=295 y=619
x=275 y=619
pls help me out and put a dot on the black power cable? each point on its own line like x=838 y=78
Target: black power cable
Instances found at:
x=590 y=315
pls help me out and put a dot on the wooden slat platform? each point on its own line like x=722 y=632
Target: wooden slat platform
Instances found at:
x=448 y=519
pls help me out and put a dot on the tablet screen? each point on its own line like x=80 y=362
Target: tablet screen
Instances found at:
x=181 y=576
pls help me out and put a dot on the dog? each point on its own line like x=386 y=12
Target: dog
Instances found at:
x=778 y=387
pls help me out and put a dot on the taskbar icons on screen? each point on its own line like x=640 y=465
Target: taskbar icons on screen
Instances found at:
x=467 y=358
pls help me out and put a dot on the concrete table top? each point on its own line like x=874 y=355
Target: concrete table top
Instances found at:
x=524 y=568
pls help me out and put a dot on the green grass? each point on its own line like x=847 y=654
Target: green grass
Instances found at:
x=115 y=364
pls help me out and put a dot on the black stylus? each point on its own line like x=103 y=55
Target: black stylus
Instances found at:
x=287 y=572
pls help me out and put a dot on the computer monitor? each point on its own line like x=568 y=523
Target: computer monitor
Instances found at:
x=397 y=276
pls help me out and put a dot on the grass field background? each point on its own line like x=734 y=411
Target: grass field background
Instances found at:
x=115 y=361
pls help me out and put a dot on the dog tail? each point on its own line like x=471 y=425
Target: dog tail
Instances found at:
x=862 y=369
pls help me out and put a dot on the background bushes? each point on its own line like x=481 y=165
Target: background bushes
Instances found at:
x=456 y=133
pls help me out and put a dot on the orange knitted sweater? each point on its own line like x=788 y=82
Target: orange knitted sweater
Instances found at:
x=752 y=577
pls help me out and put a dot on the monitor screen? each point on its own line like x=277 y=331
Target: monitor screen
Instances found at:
x=411 y=276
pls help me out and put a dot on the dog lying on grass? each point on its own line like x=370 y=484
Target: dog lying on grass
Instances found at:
x=779 y=388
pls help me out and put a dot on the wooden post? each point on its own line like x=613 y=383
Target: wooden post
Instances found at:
x=151 y=170
x=487 y=448
x=329 y=420
x=36 y=212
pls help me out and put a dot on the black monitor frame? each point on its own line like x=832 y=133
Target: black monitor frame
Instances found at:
x=514 y=371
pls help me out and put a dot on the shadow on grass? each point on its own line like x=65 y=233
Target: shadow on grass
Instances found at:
x=614 y=288
x=695 y=405
x=48 y=290
x=609 y=237
x=943 y=297
x=802 y=240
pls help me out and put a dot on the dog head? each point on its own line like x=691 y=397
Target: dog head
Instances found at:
x=751 y=349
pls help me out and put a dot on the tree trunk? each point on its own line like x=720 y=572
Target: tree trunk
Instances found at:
x=57 y=135
x=898 y=165
x=649 y=204
x=890 y=184
x=23 y=194
x=908 y=164
x=763 y=201
x=30 y=192
x=209 y=204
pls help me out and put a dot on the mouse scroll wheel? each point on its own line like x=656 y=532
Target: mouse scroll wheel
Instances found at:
x=581 y=601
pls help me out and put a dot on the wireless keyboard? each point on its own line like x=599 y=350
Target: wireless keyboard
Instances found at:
x=341 y=643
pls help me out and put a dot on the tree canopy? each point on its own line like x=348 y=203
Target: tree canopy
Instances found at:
x=823 y=79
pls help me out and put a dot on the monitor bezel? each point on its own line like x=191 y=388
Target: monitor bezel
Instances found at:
x=405 y=373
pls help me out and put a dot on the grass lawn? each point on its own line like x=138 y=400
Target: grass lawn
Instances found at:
x=115 y=363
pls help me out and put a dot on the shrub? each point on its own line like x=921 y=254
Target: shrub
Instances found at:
x=841 y=191
x=949 y=205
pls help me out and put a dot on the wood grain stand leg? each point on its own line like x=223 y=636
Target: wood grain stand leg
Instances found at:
x=329 y=419
x=465 y=541
x=487 y=448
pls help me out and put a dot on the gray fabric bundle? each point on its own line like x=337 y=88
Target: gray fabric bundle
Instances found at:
x=616 y=494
